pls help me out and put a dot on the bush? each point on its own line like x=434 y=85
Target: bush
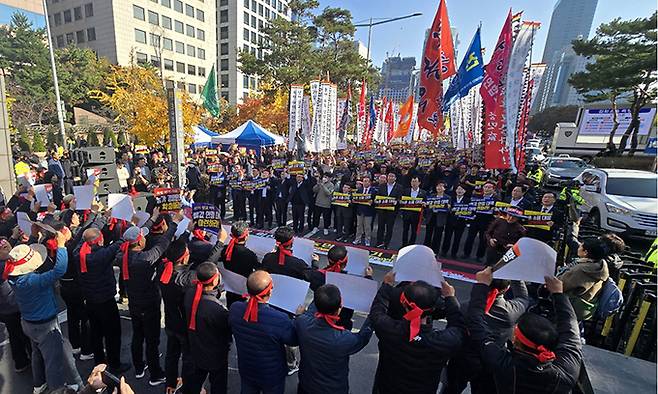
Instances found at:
x=24 y=141
x=39 y=145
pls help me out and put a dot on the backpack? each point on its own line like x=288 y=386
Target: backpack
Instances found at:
x=610 y=299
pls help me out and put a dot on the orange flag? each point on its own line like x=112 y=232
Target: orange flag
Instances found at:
x=406 y=112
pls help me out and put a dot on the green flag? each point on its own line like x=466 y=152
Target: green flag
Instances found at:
x=209 y=94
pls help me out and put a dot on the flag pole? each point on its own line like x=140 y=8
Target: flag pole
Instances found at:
x=58 y=100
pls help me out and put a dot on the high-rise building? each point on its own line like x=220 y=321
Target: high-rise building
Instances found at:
x=571 y=20
x=33 y=9
x=239 y=28
x=176 y=36
x=397 y=78
x=361 y=49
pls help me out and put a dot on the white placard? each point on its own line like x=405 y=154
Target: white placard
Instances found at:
x=599 y=121
x=24 y=223
x=357 y=292
x=357 y=260
x=234 y=283
x=114 y=198
x=303 y=248
x=182 y=226
x=529 y=260
x=122 y=206
x=24 y=181
x=84 y=196
x=288 y=293
x=43 y=194
x=260 y=245
x=142 y=218
x=418 y=262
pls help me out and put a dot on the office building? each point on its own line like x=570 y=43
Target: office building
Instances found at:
x=177 y=37
x=33 y=9
x=571 y=20
x=361 y=49
x=239 y=28
x=397 y=78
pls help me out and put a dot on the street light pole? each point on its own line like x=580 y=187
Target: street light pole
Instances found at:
x=370 y=24
x=58 y=100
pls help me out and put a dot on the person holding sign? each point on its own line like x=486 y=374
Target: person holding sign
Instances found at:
x=456 y=222
x=267 y=190
x=326 y=346
x=544 y=358
x=483 y=218
x=388 y=194
x=502 y=234
x=218 y=188
x=281 y=261
x=238 y=194
x=298 y=196
x=365 y=212
x=282 y=191
x=412 y=211
x=261 y=332
x=344 y=215
x=438 y=207
x=323 y=191
x=236 y=257
x=545 y=220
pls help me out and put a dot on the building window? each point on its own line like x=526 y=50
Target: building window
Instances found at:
x=254 y=40
x=246 y=4
x=169 y=65
x=253 y=22
x=223 y=64
x=168 y=44
x=224 y=81
x=253 y=51
x=180 y=67
x=245 y=48
x=178 y=6
x=179 y=26
x=200 y=15
x=58 y=19
x=191 y=69
x=201 y=72
x=89 y=10
x=140 y=36
x=260 y=9
x=260 y=24
x=225 y=95
x=138 y=12
x=91 y=34
x=223 y=3
x=245 y=15
x=70 y=39
x=200 y=34
x=77 y=13
x=166 y=22
x=155 y=40
x=180 y=47
x=155 y=61
x=189 y=30
x=252 y=84
x=169 y=84
x=223 y=33
x=245 y=34
x=141 y=58
x=80 y=36
x=191 y=88
x=60 y=41
x=189 y=10
x=180 y=85
x=154 y=18
x=67 y=16
x=245 y=82
x=201 y=53
x=166 y=3
x=223 y=16
x=253 y=5
x=223 y=49
x=191 y=50
x=267 y=13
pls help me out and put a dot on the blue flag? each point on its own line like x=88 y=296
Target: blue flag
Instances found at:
x=470 y=73
x=373 y=114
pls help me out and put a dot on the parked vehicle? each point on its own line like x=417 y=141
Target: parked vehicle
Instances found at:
x=559 y=169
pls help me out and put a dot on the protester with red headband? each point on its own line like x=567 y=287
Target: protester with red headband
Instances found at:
x=138 y=267
x=236 y=257
x=412 y=353
x=208 y=332
x=545 y=358
x=326 y=346
x=260 y=333
x=281 y=261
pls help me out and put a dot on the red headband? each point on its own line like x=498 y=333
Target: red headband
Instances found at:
x=169 y=267
x=413 y=316
x=335 y=267
x=197 y=298
x=330 y=319
x=251 y=313
x=125 y=249
x=158 y=226
x=283 y=251
x=232 y=243
x=85 y=249
x=491 y=298
x=114 y=221
x=51 y=246
x=199 y=234
x=10 y=264
x=542 y=354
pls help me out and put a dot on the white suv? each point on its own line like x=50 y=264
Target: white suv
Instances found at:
x=622 y=201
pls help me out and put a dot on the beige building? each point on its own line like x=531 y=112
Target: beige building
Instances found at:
x=35 y=6
x=239 y=28
x=176 y=36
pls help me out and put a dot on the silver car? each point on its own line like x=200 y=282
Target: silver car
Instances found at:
x=560 y=169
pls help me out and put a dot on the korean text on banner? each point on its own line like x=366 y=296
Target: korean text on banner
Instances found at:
x=207 y=217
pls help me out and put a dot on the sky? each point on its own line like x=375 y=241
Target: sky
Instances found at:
x=406 y=37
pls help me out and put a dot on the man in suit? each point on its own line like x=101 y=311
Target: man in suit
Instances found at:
x=386 y=219
x=253 y=196
x=455 y=225
x=239 y=195
x=218 y=189
x=299 y=199
x=517 y=199
x=481 y=223
x=557 y=218
x=281 y=192
x=266 y=200
x=365 y=213
x=411 y=219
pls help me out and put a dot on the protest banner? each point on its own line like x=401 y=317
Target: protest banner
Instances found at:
x=24 y=223
x=406 y=161
x=425 y=162
x=43 y=193
x=213 y=167
x=279 y=164
x=260 y=245
x=247 y=185
x=356 y=292
x=217 y=179
x=500 y=208
x=484 y=206
x=385 y=203
x=414 y=204
x=260 y=183
x=464 y=211
x=340 y=199
x=528 y=260
x=296 y=167
x=235 y=184
x=363 y=199
x=438 y=204
x=303 y=248
x=141 y=149
x=207 y=217
x=167 y=199
x=537 y=219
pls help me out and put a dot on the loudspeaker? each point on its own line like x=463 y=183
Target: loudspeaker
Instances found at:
x=106 y=171
x=107 y=186
x=140 y=203
x=94 y=155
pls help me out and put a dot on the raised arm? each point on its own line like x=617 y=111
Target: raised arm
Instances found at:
x=568 y=353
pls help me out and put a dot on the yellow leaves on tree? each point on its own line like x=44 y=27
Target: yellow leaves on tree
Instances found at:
x=138 y=98
x=268 y=110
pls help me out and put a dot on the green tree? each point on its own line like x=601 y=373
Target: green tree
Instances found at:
x=121 y=140
x=624 y=54
x=38 y=145
x=24 y=141
x=92 y=139
x=52 y=138
x=79 y=71
x=109 y=137
x=548 y=118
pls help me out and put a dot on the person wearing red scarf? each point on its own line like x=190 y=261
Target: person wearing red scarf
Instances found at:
x=281 y=261
x=544 y=358
x=208 y=332
x=326 y=346
x=236 y=257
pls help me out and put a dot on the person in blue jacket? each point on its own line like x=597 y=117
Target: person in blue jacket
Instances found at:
x=325 y=346
x=52 y=356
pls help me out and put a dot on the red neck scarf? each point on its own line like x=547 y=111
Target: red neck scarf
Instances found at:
x=491 y=298
x=168 y=270
x=51 y=246
x=114 y=221
x=330 y=319
x=11 y=264
x=234 y=241
x=197 y=298
x=85 y=249
x=542 y=354
x=283 y=250
x=125 y=248
x=413 y=316
x=251 y=313
x=335 y=267
x=200 y=235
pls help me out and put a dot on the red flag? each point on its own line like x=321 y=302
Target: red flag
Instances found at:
x=523 y=124
x=438 y=64
x=362 y=101
x=389 y=122
x=493 y=93
x=406 y=112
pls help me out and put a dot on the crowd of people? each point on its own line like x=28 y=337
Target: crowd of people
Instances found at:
x=93 y=260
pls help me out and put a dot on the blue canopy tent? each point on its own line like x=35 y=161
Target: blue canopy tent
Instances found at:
x=203 y=137
x=251 y=136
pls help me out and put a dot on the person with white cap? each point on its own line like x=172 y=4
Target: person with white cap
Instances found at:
x=52 y=357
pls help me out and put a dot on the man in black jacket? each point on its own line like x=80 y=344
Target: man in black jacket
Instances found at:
x=208 y=331
x=266 y=200
x=411 y=219
x=412 y=353
x=483 y=218
x=365 y=213
x=298 y=196
x=386 y=218
x=236 y=257
x=544 y=358
x=281 y=261
x=281 y=192
x=218 y=188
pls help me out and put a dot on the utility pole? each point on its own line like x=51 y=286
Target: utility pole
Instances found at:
x=370 y=24
x=60 y=106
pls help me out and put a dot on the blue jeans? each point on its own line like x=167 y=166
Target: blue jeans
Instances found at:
x=250 y=387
